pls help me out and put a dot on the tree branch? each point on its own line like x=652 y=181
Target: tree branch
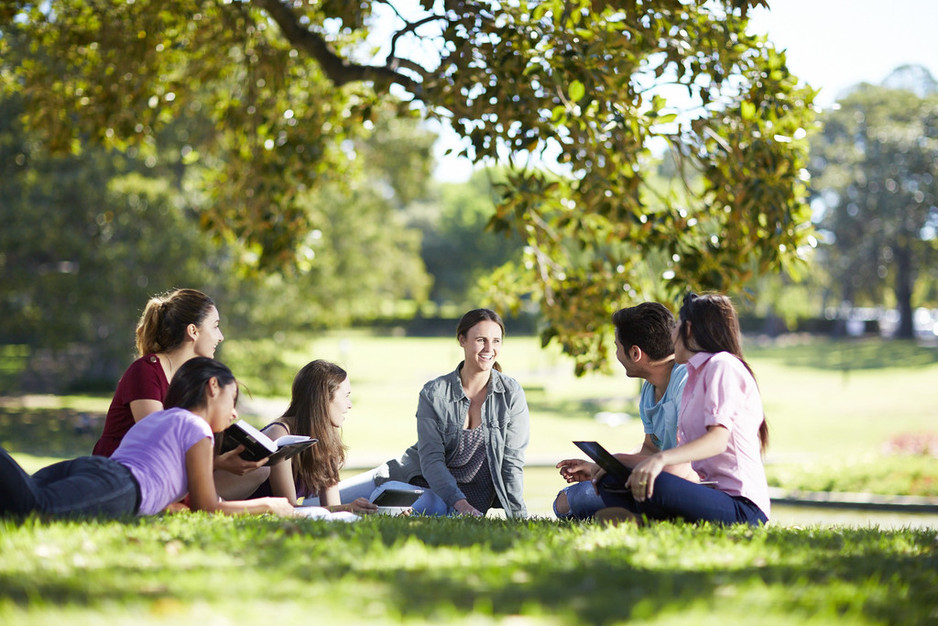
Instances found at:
x=337 y=69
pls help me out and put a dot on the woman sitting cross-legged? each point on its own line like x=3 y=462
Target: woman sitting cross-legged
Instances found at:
x=472 y=431
x=721 y=432
x=159 y=459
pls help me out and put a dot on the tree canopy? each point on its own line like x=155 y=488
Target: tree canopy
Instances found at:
x=571 y=94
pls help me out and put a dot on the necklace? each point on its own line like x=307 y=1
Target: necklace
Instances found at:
x=172 y=368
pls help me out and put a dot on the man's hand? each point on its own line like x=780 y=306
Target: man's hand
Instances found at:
x=577 y=470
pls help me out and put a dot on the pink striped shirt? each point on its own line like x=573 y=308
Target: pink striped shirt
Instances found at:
x=721 y=392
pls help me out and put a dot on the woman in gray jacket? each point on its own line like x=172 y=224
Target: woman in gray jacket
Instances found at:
x=472 y=430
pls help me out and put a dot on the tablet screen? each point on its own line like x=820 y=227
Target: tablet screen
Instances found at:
x=604 y=459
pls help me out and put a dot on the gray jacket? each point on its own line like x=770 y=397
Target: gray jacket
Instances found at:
x=441 y=413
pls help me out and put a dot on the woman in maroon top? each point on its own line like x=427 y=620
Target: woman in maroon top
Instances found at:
x=174 y=328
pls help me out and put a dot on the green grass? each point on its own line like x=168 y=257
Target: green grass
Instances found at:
x=829 y=427
x=194 y=569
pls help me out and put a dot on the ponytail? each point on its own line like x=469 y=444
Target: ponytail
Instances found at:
x=162 y=326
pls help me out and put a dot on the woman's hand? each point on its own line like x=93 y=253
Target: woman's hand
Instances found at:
x=231 y=461
x=462 y=507
x=279 y=506
x=577 y=470
x=642 y=480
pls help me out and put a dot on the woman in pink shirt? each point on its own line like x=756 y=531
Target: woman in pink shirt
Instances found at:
x=721 y=432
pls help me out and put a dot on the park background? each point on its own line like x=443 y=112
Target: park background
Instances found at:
x=86 y=239
x=89 y=238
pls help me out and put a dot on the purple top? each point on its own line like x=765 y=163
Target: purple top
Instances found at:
x=155 y=452
x=721 y=392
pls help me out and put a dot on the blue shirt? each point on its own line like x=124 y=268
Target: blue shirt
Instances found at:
x=660 y=418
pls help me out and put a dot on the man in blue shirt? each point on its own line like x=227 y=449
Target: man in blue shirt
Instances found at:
x=645 y=349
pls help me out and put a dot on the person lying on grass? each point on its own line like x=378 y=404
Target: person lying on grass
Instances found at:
x=721 y=432
x=158 y=460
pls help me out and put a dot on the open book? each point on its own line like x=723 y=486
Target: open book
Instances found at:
x=258 y=446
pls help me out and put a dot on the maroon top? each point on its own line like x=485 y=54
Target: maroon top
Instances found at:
x=143 y=380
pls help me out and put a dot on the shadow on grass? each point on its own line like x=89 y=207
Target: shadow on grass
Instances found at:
x=518 y=571
x=49 y=432
x=431 y=570
x=849 y=354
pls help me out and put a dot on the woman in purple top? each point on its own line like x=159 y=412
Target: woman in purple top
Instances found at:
x=159 y=460
x=722 y=432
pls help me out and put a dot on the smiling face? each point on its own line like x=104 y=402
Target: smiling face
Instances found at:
x=481 y=345
x=341 y=403
x=207 y=335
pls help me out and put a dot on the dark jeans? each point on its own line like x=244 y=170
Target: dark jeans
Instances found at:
x=676 y=498
x=86 y=486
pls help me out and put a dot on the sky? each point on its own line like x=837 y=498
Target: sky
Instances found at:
x=830 y=44
x=835 y=44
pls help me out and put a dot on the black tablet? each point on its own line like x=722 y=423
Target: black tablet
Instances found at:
x=605 y=460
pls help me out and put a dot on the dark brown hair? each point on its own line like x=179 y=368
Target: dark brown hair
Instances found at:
x=715 y=328
x=162 y=326
x=648 y=326
x=187 y=389
x=473 y=317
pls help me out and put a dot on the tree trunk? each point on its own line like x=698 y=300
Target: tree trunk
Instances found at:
x=904 y=291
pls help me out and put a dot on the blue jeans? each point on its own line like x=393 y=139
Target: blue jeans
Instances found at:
x=86 y=486
x=363 y=486
x=676 y=498
x=582 y=500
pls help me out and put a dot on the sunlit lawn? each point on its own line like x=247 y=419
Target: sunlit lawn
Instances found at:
x=827 y=424
x=192 y=569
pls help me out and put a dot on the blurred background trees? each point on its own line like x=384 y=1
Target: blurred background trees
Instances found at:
x=875 y=166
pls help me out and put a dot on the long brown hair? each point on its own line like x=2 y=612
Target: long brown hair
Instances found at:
x=715 y=328
x=473 y=317
x=162 y=326
x=314 y=387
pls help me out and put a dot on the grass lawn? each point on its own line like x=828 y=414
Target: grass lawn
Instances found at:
x=195 y=569
x=829 y=428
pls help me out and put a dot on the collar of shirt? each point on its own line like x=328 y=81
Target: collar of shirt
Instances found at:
x=698 y=359
x=496 y=384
